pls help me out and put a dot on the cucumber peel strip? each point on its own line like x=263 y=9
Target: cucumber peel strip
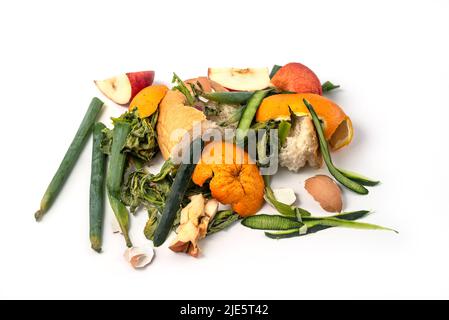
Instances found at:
x=315 y=224
x=271 y=222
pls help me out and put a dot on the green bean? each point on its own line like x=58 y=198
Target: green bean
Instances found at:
x=70 y=158
x=96 y=201
x=249 y=113
x=231 y=97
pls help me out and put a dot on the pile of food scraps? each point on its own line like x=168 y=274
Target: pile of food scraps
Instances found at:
x=205 y=185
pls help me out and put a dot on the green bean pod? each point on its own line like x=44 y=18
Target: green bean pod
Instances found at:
x=70 y=158
x=230 y=97
x=97 y=179
x=249 y=113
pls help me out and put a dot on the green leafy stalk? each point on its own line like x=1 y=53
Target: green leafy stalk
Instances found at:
x=329 y=86
x=70 y=158
x=181 y=87
x=115 y=176
x=282 y=208
x=221 y=221
x=350 y=184
x=335 y=222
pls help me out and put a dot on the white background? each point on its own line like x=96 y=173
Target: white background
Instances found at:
x=391 y=59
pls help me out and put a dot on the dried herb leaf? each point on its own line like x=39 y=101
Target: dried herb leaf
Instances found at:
x=141 y=142
x=151 y=224
x=221 y=221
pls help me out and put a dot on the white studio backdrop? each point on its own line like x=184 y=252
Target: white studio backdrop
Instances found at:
x=391 y=60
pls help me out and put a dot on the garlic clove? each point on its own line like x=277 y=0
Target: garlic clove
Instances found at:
x=285 y=195
x=326 y=192
x=139 y=257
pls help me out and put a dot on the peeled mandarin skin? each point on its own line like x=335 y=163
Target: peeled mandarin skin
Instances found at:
x=235 y=179
x=276 y=107
x=148 y=99
x=296 y=77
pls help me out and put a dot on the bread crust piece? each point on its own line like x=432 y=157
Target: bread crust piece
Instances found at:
x=173 y=116
x=301 y=146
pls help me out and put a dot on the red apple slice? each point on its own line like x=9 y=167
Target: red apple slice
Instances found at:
x=122 y=88
x=248 y=79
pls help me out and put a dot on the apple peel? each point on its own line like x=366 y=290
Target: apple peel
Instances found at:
x=122 y=88
x=247 y=79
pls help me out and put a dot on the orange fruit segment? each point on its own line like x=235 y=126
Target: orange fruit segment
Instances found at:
x=337 y=126
x=148 y=99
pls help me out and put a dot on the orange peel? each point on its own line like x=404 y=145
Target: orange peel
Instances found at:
x=234 y=177
x=148 y=99
x=337 y=126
